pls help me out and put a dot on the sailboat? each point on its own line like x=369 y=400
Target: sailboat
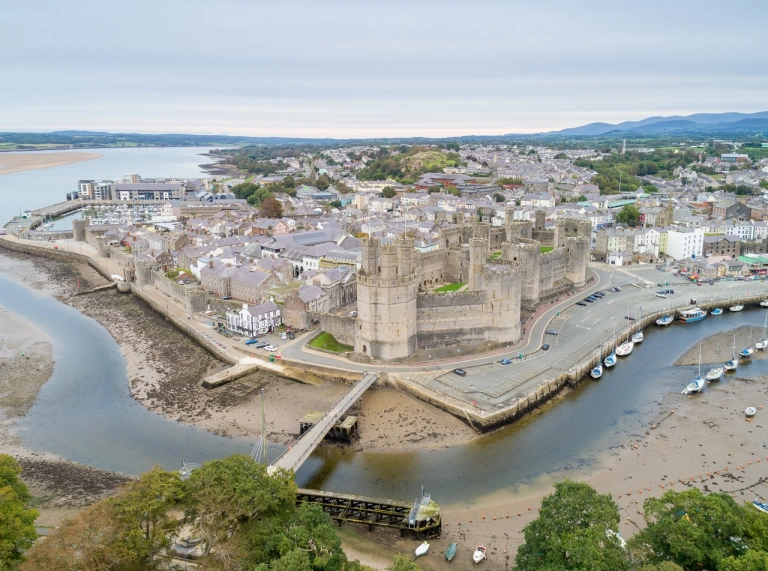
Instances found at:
x=717 y=311
x=597 y=370
x=763 y=343
x=733 y=363
x=746 y=353
x=610 y=360
x=665 y=320
x=625 y=348
x=715 y=373
x=764 y=303
x=638 y=336
x=696 y=384
x=736 y=308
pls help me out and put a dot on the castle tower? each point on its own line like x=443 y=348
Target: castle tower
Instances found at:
x=478 y=256
x=527 y=255
x=571 y=228
x=517 y=229
x=502 y=306
x=541 y=220
x=79 y=227
x=143 y=273
x=577 y=259
x=386 y=301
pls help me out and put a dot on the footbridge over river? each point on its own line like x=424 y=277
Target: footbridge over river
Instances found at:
x=295 y=455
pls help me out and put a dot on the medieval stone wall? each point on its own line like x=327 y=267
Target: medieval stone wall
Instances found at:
x=448 y=319
x=433 y=269
x=341 y=327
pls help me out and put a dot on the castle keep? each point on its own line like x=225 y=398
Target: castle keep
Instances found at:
x=504 y=268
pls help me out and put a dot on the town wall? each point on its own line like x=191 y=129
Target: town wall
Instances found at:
x=122 y=258
x=341 y=327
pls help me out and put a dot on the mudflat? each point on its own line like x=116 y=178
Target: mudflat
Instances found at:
x=18 y=162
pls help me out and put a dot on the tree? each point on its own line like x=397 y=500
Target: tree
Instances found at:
x=663 y=566
x=225 y=495
x=388 y=192
x=561 y=156
x=629 y=215
x=289 y=182
x=572 y=532
x=259 y=196
x=17 y=529
x=322 y=182
x=581 y=198
x=750 y=561
x=143 y=511
x=245 y=189
x=310 y=531
x=271 y=208
x=402 y=564
x=498 y=197
x=697 y=531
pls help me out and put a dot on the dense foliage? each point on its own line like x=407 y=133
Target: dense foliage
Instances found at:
x=244 y=518
x=17 y=529
x=407 y=166
x=628 y=215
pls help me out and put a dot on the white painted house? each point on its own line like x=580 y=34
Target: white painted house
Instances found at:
x=254 y=320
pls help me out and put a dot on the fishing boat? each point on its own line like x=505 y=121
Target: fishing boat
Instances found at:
x=696 y=384
x=664 y=320
x=625 y=348
x=450 y=553
x=422 y=549
x=717 y=311
x=760 y=506
x=479 y=554
x=750 y=411
x=691 y=315
x=764 y=303
x=736 y=308
x=733 y=363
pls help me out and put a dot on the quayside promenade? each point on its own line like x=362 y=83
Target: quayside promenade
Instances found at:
x=491 y=394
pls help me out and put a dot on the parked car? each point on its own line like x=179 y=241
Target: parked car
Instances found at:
x=615 y=288
x=545 y=347
x=659 y=294
x=598 y=294
x=581 y=303
x=588 y=300
x=261 y=345
x=251 y=341
x=506 y=361
x=593 y=298
x=551 y=332
x=270 y=348
x=284 y=336
x=460 y=372
x=629 y=317
x=667 y=291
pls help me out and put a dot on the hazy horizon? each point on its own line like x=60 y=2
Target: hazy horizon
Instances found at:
x=362 y=70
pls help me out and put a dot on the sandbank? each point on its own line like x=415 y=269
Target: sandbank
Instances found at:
x=18 y=162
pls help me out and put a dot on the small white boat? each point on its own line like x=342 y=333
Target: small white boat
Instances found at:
x=731 y=365
x=760 y=506
x=422 y=549
x=696 y=384
x=764 y=303
x=746 y=353
x=717 y=311
x=479 y=554
x=625 y=348
x=637 y=337
x=762 y=344
x=736 y=308
x=750 y=411
x=714 y=374
x=597 y=371
x=664 y=320
x=610 y=360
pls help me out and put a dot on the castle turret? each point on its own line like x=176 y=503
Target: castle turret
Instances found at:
x=527 y=254
x=577 y=259
x=79 y=227
x=502 y=306
x=478 y=256
x=541 y=220
x=370 y=251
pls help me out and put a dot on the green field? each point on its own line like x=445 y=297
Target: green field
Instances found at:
x=544 y=249
x=496 y=255
x=328 y=342
x=449 y=287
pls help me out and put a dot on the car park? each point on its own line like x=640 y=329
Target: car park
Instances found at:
x=460 y=372
x=506 y=361
x=545 y=347
x=551 y=332
x=581 y=303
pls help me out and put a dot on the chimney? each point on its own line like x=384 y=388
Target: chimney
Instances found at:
x=210 y=264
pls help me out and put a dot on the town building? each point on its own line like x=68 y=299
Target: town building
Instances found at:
x=254 y=320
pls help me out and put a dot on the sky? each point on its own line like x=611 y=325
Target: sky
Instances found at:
x=373 y=68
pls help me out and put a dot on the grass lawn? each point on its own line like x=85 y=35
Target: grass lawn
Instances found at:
x=496 y=255
x=449 y=287
x=328 y=342
x=544 y=249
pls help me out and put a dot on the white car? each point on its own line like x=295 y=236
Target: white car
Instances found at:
x=661 y=295
x=270 y=348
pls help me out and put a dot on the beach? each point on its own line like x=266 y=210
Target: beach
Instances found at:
x=18 y=162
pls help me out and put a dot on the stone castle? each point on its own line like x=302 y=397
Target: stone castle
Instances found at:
x=505 y=268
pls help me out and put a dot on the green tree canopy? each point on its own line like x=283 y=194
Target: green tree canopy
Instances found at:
x=402 y=564
x=572 y=533
x=17 y=529
x=750 y=561
x=271 y=208
x=698 y=531
x=629 y=215
x=388 y=192
x=245 y=189
x=581 y=198
x=498 y=197
x=259 y=196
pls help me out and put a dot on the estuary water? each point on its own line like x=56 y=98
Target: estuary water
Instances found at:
x=85 y=412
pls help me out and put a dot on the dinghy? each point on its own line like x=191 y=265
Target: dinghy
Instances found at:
x=479 y=554
x=422 y=549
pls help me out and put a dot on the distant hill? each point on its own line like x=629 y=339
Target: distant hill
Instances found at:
x=698 y=123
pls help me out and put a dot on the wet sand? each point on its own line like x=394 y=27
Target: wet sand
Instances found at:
x=17 y=162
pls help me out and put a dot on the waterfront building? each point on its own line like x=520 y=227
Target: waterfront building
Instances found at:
x=254 y=320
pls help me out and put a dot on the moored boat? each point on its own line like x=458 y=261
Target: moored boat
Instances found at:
x=422 y=549
x=479 y=554
x=610 y=360
x=696 y=384
x=764 y=303
x=597 y=371
x=746 y=353
x=736 y=308
x=664 y=320
x=637 y=337
x=760 y=506
x=750 y=411
x=714 y=374
x=733 y=363
x=450 y=553
x=625 y=348
x=717 y=311
x=691 y=315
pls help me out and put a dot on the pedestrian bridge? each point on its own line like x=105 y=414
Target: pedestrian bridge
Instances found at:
x=295 y=455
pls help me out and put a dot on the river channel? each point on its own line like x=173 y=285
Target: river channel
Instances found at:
x=85 y=413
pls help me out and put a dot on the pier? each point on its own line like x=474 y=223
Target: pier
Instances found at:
x=295 y=455
x=420 y=519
